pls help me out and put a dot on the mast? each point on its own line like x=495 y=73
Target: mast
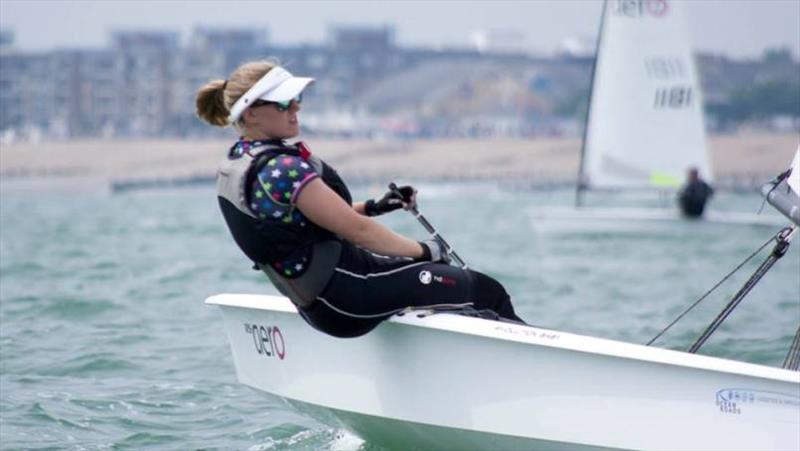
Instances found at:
x=579 y=182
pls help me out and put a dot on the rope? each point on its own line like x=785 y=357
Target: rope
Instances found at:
x=776 y=237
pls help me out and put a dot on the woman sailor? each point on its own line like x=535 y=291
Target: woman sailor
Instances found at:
x=293 y=216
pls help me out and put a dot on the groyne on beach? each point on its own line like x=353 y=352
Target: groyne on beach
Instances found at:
x=739 y=161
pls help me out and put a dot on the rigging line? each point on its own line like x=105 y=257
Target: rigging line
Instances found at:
x=792 y=361
x=715 y=287
x=777 y=253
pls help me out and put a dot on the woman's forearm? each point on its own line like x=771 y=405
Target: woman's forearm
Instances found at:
x=380 y=239
x=326 y=209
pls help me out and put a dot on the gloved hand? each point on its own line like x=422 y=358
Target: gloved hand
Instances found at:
x=391 y=201
x=434 y=251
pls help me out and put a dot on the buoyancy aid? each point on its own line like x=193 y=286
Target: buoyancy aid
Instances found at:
x=265 y=241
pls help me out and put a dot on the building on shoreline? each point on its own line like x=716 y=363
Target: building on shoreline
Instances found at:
x=143 y=85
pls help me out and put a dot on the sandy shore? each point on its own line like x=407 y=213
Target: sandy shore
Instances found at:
x=540 y=161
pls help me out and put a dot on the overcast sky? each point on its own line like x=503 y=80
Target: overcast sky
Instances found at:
x=738 y=28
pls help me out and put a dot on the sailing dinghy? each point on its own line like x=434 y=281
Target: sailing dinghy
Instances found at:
x=418 y=381
x=644 y=126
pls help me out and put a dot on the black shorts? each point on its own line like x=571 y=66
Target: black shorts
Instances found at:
x=367 y=288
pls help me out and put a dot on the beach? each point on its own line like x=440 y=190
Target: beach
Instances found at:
x=740 y=159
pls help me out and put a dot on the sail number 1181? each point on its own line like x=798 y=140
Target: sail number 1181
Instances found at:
x=673 y=97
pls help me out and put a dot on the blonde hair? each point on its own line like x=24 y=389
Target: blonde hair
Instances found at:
x=215 y=98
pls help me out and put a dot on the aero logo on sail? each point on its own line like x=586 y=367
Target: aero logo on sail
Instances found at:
x=640 y=8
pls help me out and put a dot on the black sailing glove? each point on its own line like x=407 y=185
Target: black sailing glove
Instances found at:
x=391 y=201
x=434 y=251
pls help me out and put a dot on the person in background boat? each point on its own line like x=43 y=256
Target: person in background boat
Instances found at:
x=694 y=195
x=293 y=216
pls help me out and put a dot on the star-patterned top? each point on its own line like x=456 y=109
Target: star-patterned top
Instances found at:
x=273 y=196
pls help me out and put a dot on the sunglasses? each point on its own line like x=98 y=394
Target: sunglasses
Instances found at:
x=280 y=106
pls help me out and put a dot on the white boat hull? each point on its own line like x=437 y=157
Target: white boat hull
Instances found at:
x=468 y=383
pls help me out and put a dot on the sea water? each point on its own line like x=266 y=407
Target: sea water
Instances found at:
x=106 y=344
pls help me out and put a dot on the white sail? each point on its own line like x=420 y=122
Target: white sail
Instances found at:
x=645 y=123
x=794 y=177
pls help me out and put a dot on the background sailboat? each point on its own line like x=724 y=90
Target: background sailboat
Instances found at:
x=645 y=122
x=644 y=126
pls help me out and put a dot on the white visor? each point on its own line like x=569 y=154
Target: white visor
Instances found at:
x=277 y=85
